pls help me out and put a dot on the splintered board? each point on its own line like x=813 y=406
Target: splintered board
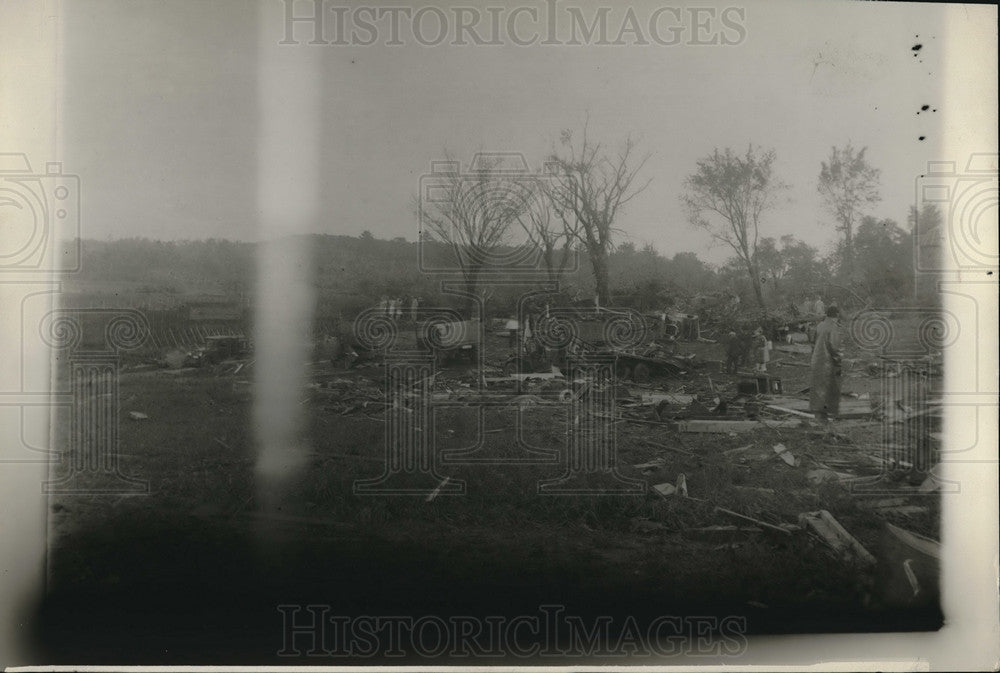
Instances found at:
x=733 y=426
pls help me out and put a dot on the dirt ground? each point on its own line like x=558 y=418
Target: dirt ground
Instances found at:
x=193 y=571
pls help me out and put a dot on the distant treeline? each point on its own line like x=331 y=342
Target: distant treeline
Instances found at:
x=355 y=272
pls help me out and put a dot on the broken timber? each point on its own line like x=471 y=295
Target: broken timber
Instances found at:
x=931 y=549
x=732 y=426
x=764 y=525
x=830 y=530
x=793 y=412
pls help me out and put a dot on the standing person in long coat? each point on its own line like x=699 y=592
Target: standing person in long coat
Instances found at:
x=824 y=390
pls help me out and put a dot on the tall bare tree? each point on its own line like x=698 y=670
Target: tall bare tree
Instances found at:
x=726 y=197
x=473 y=212
x=552 y=237
x=588 y=191
x=848 y=185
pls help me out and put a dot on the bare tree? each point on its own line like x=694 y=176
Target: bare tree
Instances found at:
x=726 y=197
x=553 y=239
x=848 y=183
x=473 y=213
x=589 y=188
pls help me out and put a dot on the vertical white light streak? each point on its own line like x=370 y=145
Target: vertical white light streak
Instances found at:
x=289 y=111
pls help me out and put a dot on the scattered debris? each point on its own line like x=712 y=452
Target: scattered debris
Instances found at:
x=911 y=576
x=673 y=398
x=651 y=466
x=911 y=567
x=541 y=376
x=836 y=536
x=884 y=502
x=767 y=526
x=727 y=533
x=794 y=412
x=801 y=349
x=645 y=526
x=786 y=455
x=436 y=491
x=923 y=546
x=755 y=489
x=933 y=482
x=665 y=489
x=902 y=510
x=822 y=476
x=669 y=448
x=137 y=415
x=732 y=426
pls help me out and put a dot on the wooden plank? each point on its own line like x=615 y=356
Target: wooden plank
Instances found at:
x=762 y=524
x=835 y=535
x=918 y=543
x=732 y=426
x=668 y=448
x=722 y=533
x=672 y=398
x=437 y=490
x=793 y=412
x=794 y=348
x=523 y=377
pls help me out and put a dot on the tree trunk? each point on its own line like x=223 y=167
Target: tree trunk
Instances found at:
x=848 y=255
x=758 y=291
x=599 y=261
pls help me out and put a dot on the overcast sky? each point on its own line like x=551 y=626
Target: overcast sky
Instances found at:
x=160 y=107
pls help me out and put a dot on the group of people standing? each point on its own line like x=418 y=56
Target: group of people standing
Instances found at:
x=825 y=363
x=400 y=307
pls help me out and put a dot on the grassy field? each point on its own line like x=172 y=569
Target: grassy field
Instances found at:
x=194 y=570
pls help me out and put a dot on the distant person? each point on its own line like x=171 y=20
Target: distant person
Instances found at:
x=819 y=308
x=761 y=352
x=824 y=390
x=736 y=351
x=384 y=304
x=391 y=309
